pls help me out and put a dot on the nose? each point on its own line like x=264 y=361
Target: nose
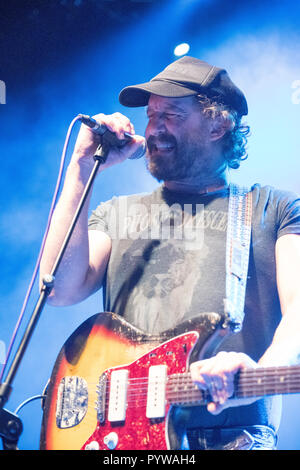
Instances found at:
x=156 y=125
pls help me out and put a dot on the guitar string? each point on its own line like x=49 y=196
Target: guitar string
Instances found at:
x=245 y=385
x=190 y=400
x=244 y=375
x=249 y=380
x=193 y=394
x=245 y=388
x=245 y=382
x=187 y=399
x=245 y=378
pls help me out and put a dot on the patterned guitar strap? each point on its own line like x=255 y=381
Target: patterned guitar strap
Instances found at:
x=237 y=254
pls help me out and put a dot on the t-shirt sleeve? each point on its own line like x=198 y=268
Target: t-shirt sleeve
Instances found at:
x=288 y=215
x=113 y=216
x=99 y=218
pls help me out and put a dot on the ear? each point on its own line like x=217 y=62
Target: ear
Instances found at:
x=220 y=125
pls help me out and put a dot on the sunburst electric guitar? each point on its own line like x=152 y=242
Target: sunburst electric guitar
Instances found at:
x=115 y=387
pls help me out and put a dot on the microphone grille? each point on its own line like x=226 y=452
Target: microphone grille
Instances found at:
x=140 y=151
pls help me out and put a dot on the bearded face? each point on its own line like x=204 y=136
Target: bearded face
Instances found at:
x=174 y=158
x=178 y=139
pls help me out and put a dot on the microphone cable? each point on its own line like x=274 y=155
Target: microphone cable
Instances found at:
x=37 y=265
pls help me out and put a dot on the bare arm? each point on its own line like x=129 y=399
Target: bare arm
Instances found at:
x=217 y=373
x=84 y=263
x=285 y=347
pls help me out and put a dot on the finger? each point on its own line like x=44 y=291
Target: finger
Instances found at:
x=208 y=375
x=216 y=375
x=219 y=390
x=198 y=376
x=116 y=123
x=119 y=124
x=215 y=408
x=218 y=394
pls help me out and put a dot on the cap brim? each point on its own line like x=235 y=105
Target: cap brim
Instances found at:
x=138 y=95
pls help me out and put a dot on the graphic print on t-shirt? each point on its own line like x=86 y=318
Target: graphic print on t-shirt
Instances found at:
x=166 y=278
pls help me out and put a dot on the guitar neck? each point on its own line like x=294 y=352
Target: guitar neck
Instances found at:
x=181 y=390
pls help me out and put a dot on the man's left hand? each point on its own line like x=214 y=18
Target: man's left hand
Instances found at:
x=216 y=375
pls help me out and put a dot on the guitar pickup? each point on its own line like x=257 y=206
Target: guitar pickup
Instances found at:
x=156 y=396
x=118 y=395
x=101 y=398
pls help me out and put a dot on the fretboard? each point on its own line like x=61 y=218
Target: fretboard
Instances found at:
x=248 y=383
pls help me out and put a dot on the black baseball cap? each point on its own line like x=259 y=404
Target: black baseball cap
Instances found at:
x=185 y=77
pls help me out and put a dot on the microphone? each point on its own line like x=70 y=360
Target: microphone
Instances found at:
x=110 y=137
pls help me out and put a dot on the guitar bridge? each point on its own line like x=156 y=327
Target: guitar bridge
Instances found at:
x=72 y=401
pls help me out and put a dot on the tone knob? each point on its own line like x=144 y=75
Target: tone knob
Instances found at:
x=111 y=440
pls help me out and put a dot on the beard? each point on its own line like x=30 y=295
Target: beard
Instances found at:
x=171 y=159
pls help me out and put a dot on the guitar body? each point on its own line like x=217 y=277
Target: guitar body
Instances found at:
x=75 y=410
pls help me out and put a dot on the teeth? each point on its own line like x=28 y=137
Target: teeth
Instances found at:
x=164 y=146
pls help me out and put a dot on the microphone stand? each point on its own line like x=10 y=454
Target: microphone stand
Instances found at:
x=11 y=426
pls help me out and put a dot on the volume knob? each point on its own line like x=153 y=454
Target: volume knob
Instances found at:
x=93 y=445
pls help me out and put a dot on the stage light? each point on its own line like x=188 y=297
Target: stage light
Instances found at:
x=181 y=49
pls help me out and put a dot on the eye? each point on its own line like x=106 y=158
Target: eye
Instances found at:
x=175 y=116
x=171 y=115
x=167 y=116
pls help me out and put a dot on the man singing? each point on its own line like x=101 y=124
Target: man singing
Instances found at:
x=161 y=257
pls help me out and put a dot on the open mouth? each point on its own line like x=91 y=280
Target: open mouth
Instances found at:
x=160 y=146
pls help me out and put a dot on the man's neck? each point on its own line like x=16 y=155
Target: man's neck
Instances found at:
x=198 y=187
